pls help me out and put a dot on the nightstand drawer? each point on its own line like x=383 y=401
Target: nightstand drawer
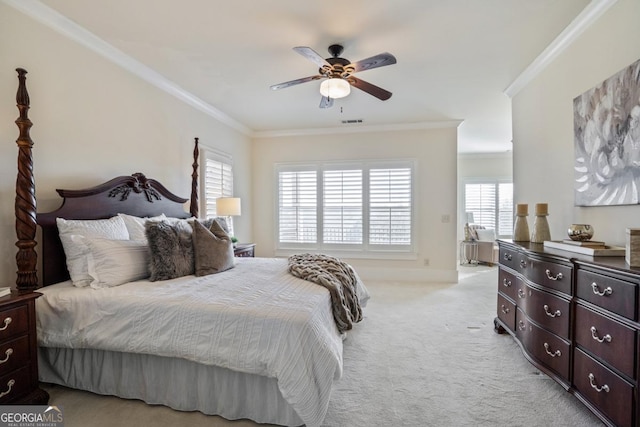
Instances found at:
x=14 y=354
x=14 y=321
x=244 y=250
x=14 y=385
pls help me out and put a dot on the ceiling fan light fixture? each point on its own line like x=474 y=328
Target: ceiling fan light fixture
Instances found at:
x=335 y=88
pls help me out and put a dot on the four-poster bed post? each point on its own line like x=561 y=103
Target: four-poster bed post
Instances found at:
x=25 y=205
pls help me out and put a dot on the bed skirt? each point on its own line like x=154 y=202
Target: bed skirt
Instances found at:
x=177 y=383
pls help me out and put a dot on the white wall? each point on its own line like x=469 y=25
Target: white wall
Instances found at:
x=436 y=153
x=94 y=121
x=543 y=124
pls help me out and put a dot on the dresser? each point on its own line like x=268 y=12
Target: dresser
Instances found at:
x=576 y=319
x=18 y=351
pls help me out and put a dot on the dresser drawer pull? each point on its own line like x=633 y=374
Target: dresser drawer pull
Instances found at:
x=506 y=257
x=504 y=309
x=523 y=263
x=522 y=326
x=594 y=335
x=7 y=321
x=598 y=389
x=596 y=290
x=521 y=293
x=556 y=277
x=9 y=352
x=556 y=353
x=10 y=384
x=506 y=282
x=557 y=313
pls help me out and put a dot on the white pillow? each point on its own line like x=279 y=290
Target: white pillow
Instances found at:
x=135 y=225
x=74 y=235
x=487 y=235
x=114 y=262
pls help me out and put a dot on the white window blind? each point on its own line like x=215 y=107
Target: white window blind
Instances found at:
x=342 y=206
x=297 y=198
x=491 y=204
x=348 y=207
x=390 y=206
x=218 y=180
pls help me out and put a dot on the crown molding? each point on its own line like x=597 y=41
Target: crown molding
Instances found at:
x=357 y=129
x=584 y=20
x=63 y=25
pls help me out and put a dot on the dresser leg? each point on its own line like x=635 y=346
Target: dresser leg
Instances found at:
x=497 y=327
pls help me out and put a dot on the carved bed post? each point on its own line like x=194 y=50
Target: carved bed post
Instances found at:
x=25 y=206
x=193 y=207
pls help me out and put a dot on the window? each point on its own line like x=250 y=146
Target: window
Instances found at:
x=360 y=207
x=218 y=179
x=491 y=204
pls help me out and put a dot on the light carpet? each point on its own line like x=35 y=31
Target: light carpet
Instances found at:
x=424 y=355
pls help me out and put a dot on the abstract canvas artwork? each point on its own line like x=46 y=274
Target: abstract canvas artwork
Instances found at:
x=607 y=141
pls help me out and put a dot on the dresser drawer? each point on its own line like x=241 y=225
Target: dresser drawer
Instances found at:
x=14 y=354
x=510 y=258
x=606 y=390
x=506 y=312
x=612 y=294
x=546 y=309
x=14 y=385
x=550 y=350
x=550 y=275
x=507 y=284
x=14 y=321
x=607 y=339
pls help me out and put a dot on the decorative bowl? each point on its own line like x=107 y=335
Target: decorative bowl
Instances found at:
x=580 y=232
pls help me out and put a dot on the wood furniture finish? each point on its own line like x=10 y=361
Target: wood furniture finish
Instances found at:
x=245 y=250
x=18 y=351
x=576 y=318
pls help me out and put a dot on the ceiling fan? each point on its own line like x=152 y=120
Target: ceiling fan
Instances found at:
x=337 y=74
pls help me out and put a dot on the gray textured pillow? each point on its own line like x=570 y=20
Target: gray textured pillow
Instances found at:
x=170 y=249
x=213 y=249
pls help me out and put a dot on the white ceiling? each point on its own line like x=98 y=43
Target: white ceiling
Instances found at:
x=455 y=57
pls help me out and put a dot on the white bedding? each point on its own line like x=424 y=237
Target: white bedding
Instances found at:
x=255 y=318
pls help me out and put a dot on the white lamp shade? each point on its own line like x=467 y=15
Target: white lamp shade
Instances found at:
x=335 y=88
x=228 y=206
x=470 y=218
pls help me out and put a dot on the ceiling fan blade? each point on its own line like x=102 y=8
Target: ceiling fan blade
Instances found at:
x=295 y=82
x=326 y=102
x=374 y=62
x=374 y=90
x=312 y=55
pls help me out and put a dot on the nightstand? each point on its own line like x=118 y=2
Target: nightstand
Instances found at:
x=18 y=351
x=245 y=250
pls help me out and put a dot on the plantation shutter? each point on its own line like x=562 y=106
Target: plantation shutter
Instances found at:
x=218 y=181
x=480 y=199
x=505 y=209
x=342 y=206
x=492 y=205
x=390 y=203
x=297 y=206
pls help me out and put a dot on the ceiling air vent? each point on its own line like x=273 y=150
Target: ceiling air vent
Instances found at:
x=349 y=122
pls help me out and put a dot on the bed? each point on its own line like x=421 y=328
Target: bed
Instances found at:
x=252 y=341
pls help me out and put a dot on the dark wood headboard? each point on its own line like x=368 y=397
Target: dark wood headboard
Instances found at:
x=134 y=195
